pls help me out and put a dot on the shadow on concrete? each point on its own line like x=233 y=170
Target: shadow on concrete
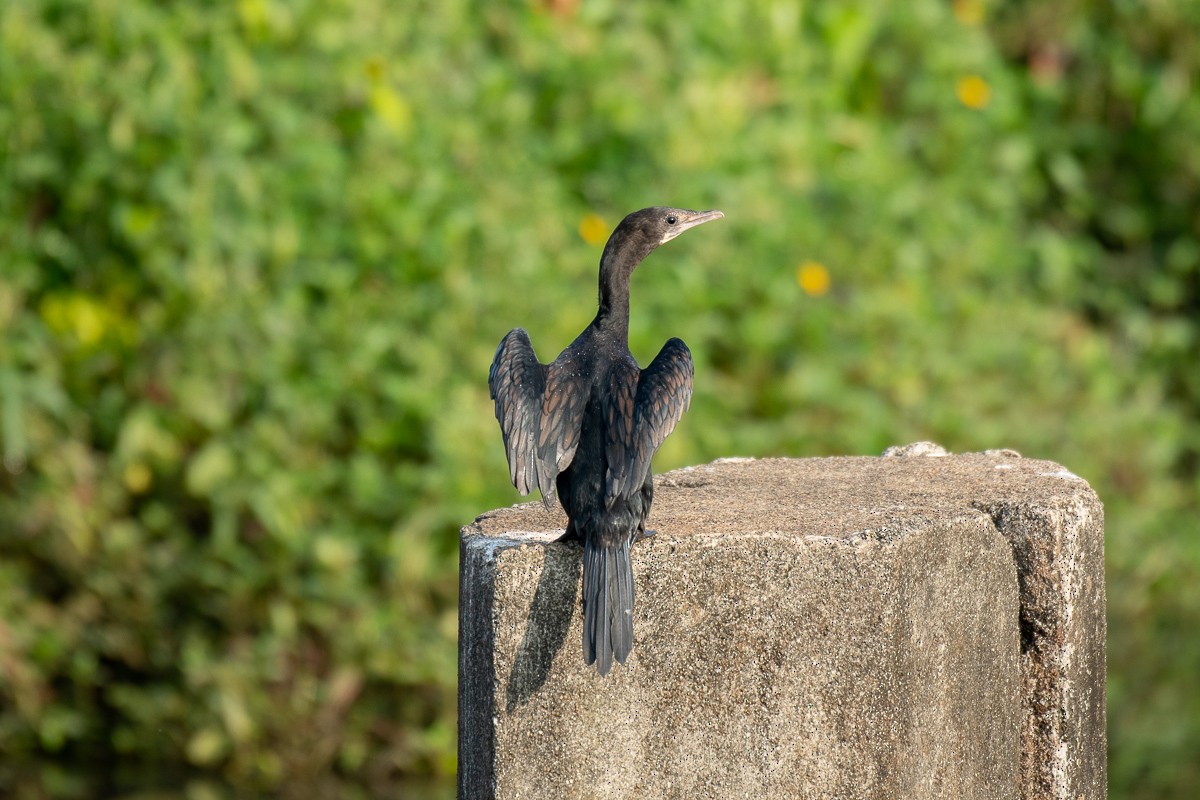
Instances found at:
x=550 y=616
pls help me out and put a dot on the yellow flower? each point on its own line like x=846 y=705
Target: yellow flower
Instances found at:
x=593 y=229
x=973 y=91
x=968 y=12
x=813 y=278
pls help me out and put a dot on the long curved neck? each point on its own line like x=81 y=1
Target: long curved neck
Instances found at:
x=613 y=314
x=621 y=256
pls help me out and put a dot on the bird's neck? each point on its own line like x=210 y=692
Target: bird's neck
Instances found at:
x=621 y=256
x=613 y=314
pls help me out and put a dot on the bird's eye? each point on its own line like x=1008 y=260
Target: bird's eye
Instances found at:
x=671 y=220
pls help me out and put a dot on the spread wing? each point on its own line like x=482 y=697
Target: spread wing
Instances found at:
x=540 y=410
x=641 y=412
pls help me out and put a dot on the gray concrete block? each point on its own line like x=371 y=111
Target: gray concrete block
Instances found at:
x=844 y=627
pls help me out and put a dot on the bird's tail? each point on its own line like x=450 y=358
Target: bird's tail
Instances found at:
x=607 y=603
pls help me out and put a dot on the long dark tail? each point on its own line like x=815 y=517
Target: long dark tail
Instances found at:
x=607 y=604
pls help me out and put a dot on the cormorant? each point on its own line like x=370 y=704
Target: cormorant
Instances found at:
x=588 y=424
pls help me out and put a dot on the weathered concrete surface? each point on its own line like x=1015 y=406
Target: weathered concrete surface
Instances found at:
x=847 y=627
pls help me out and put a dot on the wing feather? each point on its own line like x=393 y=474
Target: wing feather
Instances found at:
x=619 y=410
x=562 y=412
x=540 y=411
x=642 y=413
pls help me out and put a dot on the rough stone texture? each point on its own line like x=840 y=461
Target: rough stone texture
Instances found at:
x=846 y=627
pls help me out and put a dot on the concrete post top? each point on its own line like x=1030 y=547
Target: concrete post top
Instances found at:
x=852 y=498
x=913 y=625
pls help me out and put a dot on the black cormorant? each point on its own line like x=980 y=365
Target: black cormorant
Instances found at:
x=588 y=424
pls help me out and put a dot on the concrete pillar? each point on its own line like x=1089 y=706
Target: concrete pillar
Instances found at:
x=842 y=627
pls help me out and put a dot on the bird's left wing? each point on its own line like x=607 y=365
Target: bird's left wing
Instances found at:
x=517 y=382
x=643 y=413
x=540 y=410
x=566 y=395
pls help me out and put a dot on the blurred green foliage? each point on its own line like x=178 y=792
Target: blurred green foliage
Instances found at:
x=254 y=260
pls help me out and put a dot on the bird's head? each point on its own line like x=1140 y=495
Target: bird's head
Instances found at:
x=660 y=225
x=642 y=231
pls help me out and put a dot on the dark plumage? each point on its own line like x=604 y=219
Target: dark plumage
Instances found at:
x=588 y=424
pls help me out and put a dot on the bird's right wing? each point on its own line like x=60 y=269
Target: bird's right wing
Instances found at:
x=644 y=410
x=540 y=410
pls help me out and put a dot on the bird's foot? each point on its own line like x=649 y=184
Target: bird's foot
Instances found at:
x=570 y=535
x=643 y=534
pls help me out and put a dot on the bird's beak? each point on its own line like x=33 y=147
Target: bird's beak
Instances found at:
x=690 y=219
x=699 y=218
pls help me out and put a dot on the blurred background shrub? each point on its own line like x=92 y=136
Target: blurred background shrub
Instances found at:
x=254 y=261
